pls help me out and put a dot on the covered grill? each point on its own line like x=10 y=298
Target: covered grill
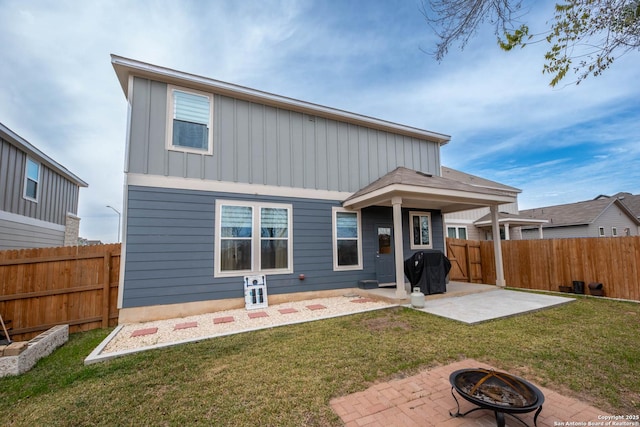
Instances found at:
x=428 y=270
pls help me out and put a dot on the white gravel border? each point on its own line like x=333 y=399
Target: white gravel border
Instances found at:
x=120 y=343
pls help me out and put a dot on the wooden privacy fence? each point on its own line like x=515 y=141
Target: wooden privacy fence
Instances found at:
x=74 y=285
x=547 y=264
x=465 y=258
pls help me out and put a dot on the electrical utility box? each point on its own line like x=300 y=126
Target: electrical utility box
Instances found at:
x=255 y=292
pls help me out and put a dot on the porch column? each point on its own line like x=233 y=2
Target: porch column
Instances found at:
x=540 y=235
x=497 y=246
x=401 y=292
x=506 y=231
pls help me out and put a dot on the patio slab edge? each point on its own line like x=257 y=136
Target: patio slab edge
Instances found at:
x=454 y=311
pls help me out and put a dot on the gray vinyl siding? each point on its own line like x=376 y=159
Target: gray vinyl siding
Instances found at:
x=568 y=232
x=259 y=144
x=170 y=247
x=613 y=216
x=15 y=235
x=56 y=195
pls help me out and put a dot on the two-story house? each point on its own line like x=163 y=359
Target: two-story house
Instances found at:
x=223 y=181
x=38 y=197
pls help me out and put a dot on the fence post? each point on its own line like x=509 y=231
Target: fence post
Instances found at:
x=106 y=294
x=468 y=255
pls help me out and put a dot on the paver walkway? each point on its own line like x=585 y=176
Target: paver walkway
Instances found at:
x=425 y=400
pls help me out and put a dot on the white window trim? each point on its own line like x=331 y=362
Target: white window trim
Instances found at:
x=614 y=231
x=255 y=239
x=457 y=229
x=169 y=136
x=601 y=231
x=26 y=179
x=334 y=239
x=428 y=215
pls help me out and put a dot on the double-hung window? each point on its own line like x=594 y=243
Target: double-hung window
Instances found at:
x=253 y=237
x=457 y=232
x=420 y=230
x=347 y=242
x=32 y=180
x=189 y=120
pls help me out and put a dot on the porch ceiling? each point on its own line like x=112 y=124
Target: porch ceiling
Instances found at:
x=424 y=191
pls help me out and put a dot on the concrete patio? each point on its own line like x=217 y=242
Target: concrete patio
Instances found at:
x=473 y=303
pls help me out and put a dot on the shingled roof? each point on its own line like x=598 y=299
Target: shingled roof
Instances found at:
x=420 y=189
x=580 y=213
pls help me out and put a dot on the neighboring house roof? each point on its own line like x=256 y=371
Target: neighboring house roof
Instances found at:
x=445 y=194
x=15 y=139
x=476 y=180
x=580 y=213
x=125 y=68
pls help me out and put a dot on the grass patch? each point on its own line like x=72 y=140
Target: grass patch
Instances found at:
x=286 y=376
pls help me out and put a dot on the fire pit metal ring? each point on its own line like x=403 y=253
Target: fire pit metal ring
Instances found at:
x=497 y=391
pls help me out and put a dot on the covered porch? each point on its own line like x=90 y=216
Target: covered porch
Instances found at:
x=508 y=221
x=404 y=188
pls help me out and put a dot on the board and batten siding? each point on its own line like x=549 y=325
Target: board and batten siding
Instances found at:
x=260 y=144
x=57 y=196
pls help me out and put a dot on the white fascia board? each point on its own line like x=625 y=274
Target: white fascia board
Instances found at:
x=436 y=194
x=179 y=183
x=519 y=221
x=125 y=67
x=24 y=145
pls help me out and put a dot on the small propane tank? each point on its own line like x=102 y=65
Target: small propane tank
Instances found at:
x=417 y=298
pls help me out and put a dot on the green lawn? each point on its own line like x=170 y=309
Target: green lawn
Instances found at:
x=286 y=376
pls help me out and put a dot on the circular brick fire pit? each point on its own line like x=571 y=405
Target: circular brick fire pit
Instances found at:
x=497 y=391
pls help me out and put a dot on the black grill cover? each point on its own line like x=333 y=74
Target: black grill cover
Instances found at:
x=428 y=269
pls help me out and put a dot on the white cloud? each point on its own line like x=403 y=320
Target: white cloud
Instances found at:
x=363 y=57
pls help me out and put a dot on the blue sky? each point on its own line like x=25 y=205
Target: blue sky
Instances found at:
x=559 y=145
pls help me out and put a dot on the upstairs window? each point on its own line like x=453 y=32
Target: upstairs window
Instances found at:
x=32 y=180
x=190 y=115
x=420 y=230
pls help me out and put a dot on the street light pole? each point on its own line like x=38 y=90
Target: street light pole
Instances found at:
x=119 y=216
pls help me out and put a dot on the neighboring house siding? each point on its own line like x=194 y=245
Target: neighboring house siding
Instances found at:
x=57 y=196
x=468 y=217
x=170 y=247
x=259 y=144
x=19 y=232
x=560 y=232
x=615 y=217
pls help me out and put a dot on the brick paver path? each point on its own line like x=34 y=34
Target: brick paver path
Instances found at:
x=425 y=400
